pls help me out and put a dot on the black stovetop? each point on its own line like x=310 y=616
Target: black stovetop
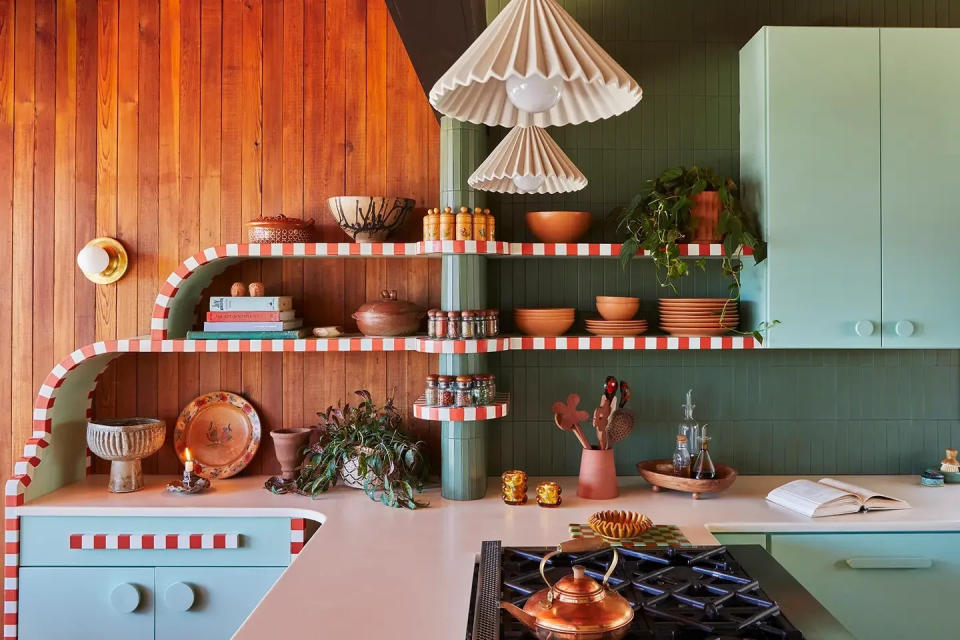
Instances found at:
x=677 y=593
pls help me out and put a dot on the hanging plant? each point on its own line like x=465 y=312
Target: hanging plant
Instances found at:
x=659 y=219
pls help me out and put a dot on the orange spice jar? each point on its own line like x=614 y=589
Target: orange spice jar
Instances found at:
x=464 y=224
x=447 y=223
x=479 y=224
x=491 y=225
x=431 y=225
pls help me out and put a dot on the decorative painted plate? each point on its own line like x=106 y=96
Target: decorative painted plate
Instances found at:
x=222 y=431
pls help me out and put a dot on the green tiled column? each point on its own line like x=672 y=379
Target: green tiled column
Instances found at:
x=464 y=286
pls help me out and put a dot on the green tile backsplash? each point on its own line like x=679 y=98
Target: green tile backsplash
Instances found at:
x=817 y=412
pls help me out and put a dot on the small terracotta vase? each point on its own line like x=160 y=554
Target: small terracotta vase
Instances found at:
x=598 y=475
x=288 y=444
x=706 y=211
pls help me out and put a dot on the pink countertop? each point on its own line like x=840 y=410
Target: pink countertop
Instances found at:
x=412 y=570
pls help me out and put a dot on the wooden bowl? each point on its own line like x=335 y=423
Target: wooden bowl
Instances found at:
x=559 y=226
x=659 y=473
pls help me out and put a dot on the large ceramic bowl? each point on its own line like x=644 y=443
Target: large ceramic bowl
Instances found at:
x=124 y=442
x=544 y=325
x=370 y=218
x=617 y=308
x=559 y=226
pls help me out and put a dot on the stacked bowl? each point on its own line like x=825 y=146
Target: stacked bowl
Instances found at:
x=698 y=316
x=617 y=313
x=544 y=322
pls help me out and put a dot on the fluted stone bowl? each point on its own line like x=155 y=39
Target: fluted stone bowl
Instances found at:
x=125 y=442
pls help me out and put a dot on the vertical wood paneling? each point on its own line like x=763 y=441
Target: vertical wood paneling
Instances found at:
x=8 y=436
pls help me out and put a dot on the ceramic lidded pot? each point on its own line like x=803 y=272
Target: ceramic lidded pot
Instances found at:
x=388 y=316
x=267 y=229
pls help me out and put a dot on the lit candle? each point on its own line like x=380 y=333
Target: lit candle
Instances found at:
x=187 y=468
x=548 y=494
x=513 y=488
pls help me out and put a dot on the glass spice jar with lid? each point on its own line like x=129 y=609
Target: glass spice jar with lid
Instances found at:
x=480 y=324
x=463 y=395
x=453 y=324
x=445 y=391
x=492 y=321
x=440 y=324
x=482 y=390
x=431 y=323
x=467 y=327
x=431 y=393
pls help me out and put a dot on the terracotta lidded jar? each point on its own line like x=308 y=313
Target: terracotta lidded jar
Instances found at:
x=388 y=316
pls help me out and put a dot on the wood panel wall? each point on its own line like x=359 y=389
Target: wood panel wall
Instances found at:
x=167 y=124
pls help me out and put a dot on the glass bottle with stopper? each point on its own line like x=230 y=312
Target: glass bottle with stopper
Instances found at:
x=689 y=427
x=703 y=468
x=681 y=458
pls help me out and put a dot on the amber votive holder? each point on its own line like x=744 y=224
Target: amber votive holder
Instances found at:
x=548 y=494
x=513 y=487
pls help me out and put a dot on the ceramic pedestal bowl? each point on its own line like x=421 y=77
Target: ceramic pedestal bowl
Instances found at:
x=559 y=226
x=124 y=442
x=370 y=218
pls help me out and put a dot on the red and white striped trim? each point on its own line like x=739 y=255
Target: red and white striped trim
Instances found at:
x=498 y=409
x=478 y=247
x=607 y=343
x=298 y=531
x=483 y=345
x=608 y=250
x=155 y=541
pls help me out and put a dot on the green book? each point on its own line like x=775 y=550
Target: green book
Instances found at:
x=293 y=334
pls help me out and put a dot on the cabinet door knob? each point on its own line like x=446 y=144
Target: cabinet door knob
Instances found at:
x=179 y=596
x=125 y=598
x=864 y=328
x=905 y=328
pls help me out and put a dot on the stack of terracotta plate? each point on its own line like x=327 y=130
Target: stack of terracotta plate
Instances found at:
x=616 y=327
x=698 y=316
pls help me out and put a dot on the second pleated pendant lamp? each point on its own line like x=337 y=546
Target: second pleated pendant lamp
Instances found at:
x=527 y=160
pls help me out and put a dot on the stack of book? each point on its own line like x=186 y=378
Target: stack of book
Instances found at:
x=251 y=318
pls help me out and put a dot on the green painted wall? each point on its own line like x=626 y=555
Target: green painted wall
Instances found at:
x=773 y=412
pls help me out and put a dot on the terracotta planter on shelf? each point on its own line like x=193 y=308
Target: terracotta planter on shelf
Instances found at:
x=705 y=210
x=598 y=475
x=289 y=444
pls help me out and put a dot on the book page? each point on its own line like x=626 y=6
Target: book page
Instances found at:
x=811 y=491
x=813 y=499
x=864 y=495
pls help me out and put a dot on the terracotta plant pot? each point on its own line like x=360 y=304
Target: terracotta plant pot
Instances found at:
x=705 y=214
x=559 y=226
x=289 y=444
x=598 y=475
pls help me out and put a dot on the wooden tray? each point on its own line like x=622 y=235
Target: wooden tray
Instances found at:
x=659 y=473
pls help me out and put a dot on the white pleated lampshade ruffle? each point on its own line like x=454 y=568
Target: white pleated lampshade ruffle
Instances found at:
x=527 y=151
x=534 y=37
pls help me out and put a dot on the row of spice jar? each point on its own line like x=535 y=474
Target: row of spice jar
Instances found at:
x=463 y=325
x=477 y=390
x=479 y=225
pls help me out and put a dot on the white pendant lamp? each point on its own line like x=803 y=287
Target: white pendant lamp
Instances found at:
x=527 y=160
x=534 y=65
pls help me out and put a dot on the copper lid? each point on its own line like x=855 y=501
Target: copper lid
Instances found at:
x=453 y=314
x=445 y=378
x=467 y=314
x=464 y=378
x=432 y=377
x=388 y=305
x=578 y=587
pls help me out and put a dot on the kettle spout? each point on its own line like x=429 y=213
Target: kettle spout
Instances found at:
x=528 y=620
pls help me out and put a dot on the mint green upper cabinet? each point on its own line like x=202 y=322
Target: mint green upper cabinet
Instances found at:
x=920 y=210
x=810 y=164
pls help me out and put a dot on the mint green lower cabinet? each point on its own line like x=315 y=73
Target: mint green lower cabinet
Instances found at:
x=742 y=538
x=86 y=603
x=208 y=602
x=878 y=585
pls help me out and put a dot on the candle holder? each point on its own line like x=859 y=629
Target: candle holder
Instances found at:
x=513 y=487
x=548 y=494
x=191 y=482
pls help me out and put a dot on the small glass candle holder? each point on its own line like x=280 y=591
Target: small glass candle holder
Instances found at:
x=548 y=494
x=513 y=487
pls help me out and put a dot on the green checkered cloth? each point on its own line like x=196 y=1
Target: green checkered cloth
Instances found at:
x=657 y=536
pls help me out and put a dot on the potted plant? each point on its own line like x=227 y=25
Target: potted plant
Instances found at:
x=363 y=446
x=689 y=204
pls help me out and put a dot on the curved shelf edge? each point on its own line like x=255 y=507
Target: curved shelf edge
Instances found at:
x=498 y=409
x=632 y=343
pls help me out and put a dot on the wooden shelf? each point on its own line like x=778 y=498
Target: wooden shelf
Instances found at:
x=604 y=250
x=629 y=343
x=498 y=409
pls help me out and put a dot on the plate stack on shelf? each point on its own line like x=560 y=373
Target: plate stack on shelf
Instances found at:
x=698 y=316
x=616 y=327
x=618 y=317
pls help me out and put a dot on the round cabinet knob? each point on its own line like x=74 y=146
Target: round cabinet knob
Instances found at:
x=905 y=328
x=864 y=328
x=125 y=598
x=179 y=596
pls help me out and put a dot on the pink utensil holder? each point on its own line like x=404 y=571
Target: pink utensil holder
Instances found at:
x=598 y=475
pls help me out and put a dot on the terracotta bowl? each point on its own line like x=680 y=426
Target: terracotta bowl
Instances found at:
x=544 y=326
x=559 y=226
x=617 y=308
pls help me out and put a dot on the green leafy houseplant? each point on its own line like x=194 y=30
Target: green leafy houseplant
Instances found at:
x=658 y=219
x=365 y=440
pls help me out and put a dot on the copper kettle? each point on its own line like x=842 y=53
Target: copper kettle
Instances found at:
x=577 y=607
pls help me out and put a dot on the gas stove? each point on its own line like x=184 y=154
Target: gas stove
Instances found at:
x=677 y=593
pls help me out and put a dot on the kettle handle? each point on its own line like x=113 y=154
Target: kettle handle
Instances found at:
x=567 y=547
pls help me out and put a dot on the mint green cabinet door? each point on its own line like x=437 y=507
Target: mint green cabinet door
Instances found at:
x=208 y=602
x=86 y=603
x=920 y=97
x=821 y=181
x=881 y=586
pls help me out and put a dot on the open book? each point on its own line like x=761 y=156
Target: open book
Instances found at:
x=829 y=497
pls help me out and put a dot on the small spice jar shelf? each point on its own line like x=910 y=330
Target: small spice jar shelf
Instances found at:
x=498 y=409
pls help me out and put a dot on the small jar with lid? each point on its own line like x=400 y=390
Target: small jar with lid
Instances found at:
x=431 y=323
x=479 y=224
x=445 y=391
x=467 y=326
x=491 y=224
x=447 y=224
x=464 y=224
x=492 y=321
x=453 y=324
x=439 y=324
x=463 y=395
x=431 y=225
x=480 y=323
x=431 y=393
x=482 y=389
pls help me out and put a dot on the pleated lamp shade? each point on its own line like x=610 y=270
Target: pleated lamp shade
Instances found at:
x=534 y=40
x=529 y=154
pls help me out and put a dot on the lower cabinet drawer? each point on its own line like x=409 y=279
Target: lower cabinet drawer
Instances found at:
x=86 y=603
x=208 y=602
x=878 y=585
x=153 y=541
